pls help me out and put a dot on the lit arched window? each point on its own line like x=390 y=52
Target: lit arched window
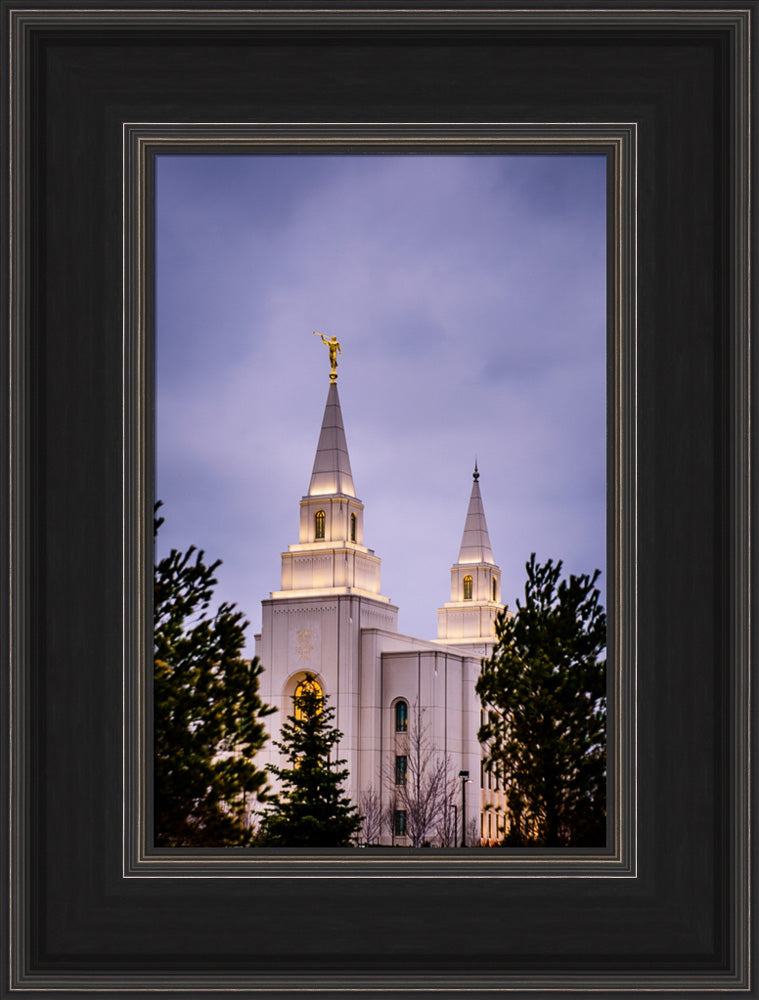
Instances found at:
x=467 y=588
x=302 y=699
x=319 y=522
x=401 y=716
x=353 y=527
x=493 y=588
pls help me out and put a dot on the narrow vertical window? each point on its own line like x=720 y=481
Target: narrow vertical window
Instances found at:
x=493 y=588
x=401 y=716
x=319 y=522
x=399 y=824
x=400 y=770
x=467 y=588
x=353 y=527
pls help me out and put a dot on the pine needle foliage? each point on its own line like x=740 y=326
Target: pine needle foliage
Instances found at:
x=207 y=710
x=312 y=809
x=543 y=691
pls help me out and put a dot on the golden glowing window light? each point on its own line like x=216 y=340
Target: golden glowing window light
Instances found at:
x=307 y=686
x=320 y=519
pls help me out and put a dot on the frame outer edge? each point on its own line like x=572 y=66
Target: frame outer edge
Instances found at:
x=19 y=611
x=18 y=608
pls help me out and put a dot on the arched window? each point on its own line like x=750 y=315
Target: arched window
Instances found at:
x=494 y=590
x=353 y=527
x=307 y=697
x=319 y=522
x=467 y=588
x=401 y=716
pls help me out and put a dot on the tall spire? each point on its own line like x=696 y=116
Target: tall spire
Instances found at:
x=330 y=557
x=332 y=468
x=475 y=543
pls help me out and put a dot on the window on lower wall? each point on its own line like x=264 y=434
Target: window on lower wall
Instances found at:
x=399 y=823
x=301 y=698
x=401 y=767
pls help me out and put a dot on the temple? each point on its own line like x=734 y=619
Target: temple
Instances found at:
x=403 y=704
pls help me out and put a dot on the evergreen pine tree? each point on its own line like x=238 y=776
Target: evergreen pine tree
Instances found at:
x=543 y=690
x=311 y=810
x=207 y=711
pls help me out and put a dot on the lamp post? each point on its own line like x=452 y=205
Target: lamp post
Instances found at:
x=464 y=775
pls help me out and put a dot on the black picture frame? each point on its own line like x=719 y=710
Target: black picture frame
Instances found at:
x=81 y=917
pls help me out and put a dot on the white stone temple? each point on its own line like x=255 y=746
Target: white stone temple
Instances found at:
x=330 y=619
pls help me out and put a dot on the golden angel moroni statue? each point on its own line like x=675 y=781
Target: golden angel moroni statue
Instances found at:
x=334 y=347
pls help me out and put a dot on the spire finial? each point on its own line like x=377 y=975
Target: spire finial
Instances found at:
x=476 y=474
x=333 y=346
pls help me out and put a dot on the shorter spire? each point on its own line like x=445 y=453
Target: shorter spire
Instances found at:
x=468 y=619
x=475 y=543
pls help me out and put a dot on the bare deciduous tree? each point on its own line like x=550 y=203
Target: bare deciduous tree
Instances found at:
x=375 y=817
x=472 y=833
x=425 y=791
x=448 y=826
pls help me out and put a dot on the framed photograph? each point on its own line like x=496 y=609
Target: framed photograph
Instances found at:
x=395 y=223
x=124 y=123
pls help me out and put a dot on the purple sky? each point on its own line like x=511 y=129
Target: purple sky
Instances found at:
x=468 y=294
